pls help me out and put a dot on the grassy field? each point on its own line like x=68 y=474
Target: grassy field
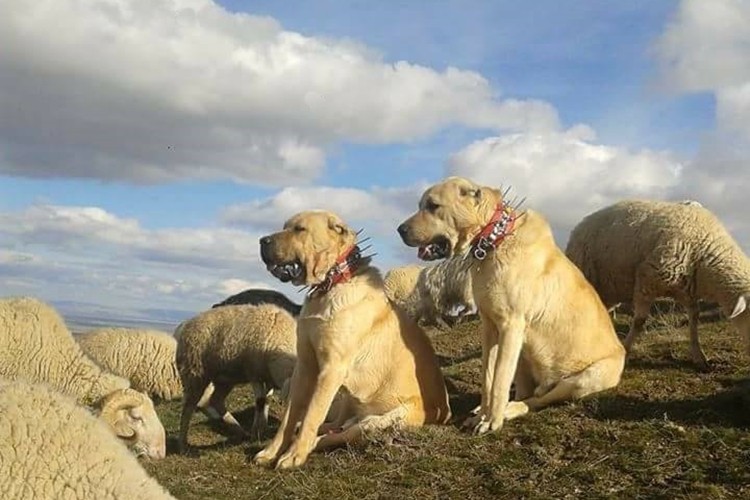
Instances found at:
x=668 y=431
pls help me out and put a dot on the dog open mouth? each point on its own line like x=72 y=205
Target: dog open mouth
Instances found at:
x=439 y=248
x=286 y=272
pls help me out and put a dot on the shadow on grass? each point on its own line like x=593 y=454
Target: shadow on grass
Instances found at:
x=447 y=361
x=727 y=408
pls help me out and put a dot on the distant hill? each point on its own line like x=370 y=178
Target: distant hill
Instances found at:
x=82 y=317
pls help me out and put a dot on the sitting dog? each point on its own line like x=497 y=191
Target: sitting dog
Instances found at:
x=544 y=327
x=349 y=336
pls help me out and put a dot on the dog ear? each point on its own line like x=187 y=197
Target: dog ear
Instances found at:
x=337 y=226
x=474 y=193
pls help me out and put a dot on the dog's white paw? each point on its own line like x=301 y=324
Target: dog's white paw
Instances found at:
x=476 y=410
x=264 y=457
x=290 y=460
x=481 y=428
x=515 y=409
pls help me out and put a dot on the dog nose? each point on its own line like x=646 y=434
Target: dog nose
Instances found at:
x=403 y=230
x=265 y=241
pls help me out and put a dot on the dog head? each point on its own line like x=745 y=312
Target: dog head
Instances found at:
x=450 y=214
x=307 y=247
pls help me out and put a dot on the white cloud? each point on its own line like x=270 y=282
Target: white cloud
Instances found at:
x=167 y=89
x=706 y=48
x=88 y=229
x=565 y=175
x=87 y=254
x=379 y=210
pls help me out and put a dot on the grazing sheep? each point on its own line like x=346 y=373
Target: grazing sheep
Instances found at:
x=637 y=251
x=36 y=346
x=145 y=357
x=51 y=448
x=432 y=294
x=258 y=296
x=231 y=345
x=401 y=288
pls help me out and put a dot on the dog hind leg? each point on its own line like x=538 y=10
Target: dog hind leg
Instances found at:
x=599 y=376
x=393 y=419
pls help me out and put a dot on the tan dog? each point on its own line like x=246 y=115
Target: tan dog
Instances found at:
x=350 y=337
x=544 y=327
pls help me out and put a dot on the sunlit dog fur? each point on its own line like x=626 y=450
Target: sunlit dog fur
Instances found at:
x=351 y=338
x=544 y=327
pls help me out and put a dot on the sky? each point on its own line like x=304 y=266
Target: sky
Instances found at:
x=146 y=145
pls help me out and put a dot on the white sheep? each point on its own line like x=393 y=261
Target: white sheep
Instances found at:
x=52 y=448
x=145 y=357
x=36 y=346
x=232 y=345
x=637 y=251
x=432 y=294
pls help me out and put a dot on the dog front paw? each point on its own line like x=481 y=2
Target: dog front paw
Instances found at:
x=264 y=457
x=290 y=460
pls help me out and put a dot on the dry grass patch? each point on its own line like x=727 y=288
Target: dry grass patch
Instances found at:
x=668 y=431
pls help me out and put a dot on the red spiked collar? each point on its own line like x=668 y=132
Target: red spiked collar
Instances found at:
x=497 y=229
x=343 y=269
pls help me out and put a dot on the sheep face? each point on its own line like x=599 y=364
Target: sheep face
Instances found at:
x=450 y=214
x=307 y=247
x=132 y=416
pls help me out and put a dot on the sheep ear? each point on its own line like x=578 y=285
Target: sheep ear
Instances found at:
x=739 y=307
x=123 y=430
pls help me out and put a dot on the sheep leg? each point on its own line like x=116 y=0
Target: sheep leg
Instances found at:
x=204 y=405
x=641 y=310
x=696 y=352
x=193 y=391
x=218 y=403
x=260 y=417
x=357 y=430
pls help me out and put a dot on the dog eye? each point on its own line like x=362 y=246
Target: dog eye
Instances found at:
x=298 y=229
x=431 y=206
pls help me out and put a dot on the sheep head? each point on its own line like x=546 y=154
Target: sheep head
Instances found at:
x=132 y=417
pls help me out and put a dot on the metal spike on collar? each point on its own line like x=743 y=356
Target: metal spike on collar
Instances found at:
x=506 y=191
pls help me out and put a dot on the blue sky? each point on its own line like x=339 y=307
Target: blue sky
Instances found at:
x=145 y=135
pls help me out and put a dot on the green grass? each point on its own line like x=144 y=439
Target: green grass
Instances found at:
x=668 y=431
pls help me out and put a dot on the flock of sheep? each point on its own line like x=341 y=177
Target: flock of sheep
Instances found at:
x=86 y=401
